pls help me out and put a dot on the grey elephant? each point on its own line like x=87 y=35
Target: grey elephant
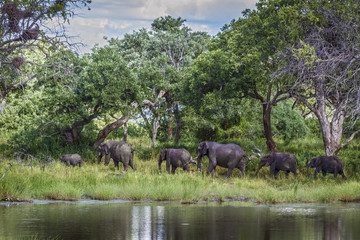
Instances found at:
x=71 y=159
x=326 y=164
x=279 y=162
x=119 y=152
x=104 y=148
x=229 y=156
x=176 y=158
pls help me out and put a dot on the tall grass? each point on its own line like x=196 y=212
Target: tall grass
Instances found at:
x=53 y=180
x=99 y=182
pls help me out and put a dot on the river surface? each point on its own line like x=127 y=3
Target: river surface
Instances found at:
x=89 y=219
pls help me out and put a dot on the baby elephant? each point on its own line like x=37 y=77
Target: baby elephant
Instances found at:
x=73 y=159
x=330 y=164
x=176 y=158
x=279 y=161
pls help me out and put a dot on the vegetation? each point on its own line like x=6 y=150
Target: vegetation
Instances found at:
x=256 y=83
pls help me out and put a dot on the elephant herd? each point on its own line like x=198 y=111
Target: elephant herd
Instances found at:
x=228 y=156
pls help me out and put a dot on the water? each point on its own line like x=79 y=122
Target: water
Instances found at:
x=140 y=220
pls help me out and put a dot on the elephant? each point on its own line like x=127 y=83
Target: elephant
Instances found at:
x=326 y=164
x=176 y=158
x=103 y=149
x=224 y=155
x=119 y=152
x=73 y=159
x=279 y=161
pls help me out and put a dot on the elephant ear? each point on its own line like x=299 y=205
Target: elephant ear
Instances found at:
x=204 y=149
x=317 y=162
x=163 y=154
x=269 y=160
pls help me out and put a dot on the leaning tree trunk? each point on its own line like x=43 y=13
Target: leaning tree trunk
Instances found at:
x=72 y=134
x=108 y=129
x=270 y=143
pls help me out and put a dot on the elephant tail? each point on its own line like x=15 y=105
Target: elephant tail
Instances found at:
x=141 y=153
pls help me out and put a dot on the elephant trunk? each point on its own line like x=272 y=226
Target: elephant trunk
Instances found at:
x=160 y=161
x=199 y=165
x=107 y=159
x=257 y=171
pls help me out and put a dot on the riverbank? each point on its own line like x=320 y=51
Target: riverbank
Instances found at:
x=55 y=181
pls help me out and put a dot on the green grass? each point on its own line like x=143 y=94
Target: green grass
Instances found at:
x=94 y=181
x=28 y=180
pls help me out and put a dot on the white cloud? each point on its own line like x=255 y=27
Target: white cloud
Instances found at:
x=114 y=18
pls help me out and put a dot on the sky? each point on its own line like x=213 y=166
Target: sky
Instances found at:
x=115 y=18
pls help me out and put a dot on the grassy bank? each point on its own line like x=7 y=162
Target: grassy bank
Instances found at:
x=56 y=181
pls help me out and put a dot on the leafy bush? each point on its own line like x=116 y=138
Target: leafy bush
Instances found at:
x=287 y=122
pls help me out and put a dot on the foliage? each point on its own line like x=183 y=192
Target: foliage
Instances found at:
x=28 y=27
x=288 y=123
x=324 y=68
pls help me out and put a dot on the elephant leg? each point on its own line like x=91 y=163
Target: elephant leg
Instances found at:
x=131 y=163
x=173 y=168
x=276 y=173
x=324 y=173
x=187 y=168
x=116 y=163
x=342 y=174
x=211 y=169
x=287 y=174
x=242 y=169
x=315 y=174
x=213 y=172
x=228 y=174
x=125 y=166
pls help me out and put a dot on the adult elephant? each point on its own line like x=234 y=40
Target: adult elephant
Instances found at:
x=326 y=164
x=229 y=156
x=279 y=162
x=119 y=152
x=176 y=158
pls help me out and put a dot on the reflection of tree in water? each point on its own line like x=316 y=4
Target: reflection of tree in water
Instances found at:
x=332 y=228
x=138 y=221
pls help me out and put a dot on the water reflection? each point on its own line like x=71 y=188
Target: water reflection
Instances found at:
x=169 y=221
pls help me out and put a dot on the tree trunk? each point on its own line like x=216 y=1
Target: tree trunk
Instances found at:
x=170 y=129
x=2 y=105
x=108 y=129
x=72 y=134
x=331 y=132
x=156 y=125
x=178 y=124
x=125 y=131
x=170 y=115
x=270 y=143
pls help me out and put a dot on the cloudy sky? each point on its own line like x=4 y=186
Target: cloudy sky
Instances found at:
x=114 y=18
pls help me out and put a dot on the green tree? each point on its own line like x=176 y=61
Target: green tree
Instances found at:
x=159 y=59
x=25 y=27
x=245 y=55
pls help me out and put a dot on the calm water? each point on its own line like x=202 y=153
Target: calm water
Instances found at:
x=131 y=220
